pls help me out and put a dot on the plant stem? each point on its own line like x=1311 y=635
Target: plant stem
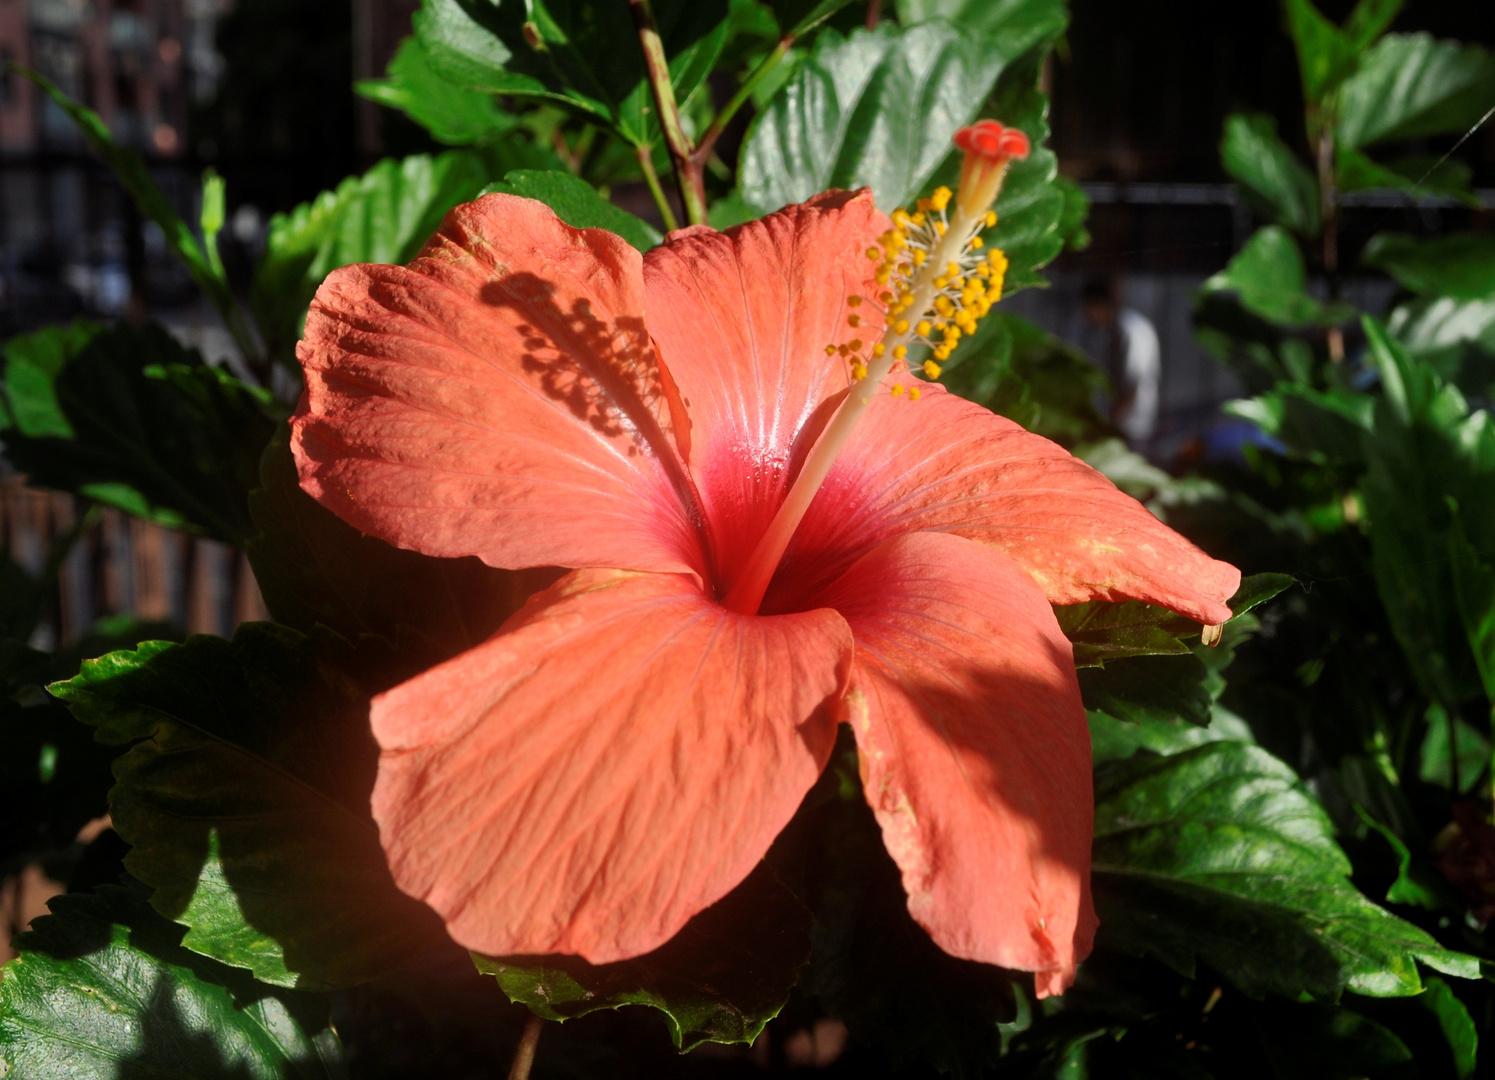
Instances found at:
x=524 y=1053
x=1328 y=207
x=688 y=175
x=744 y=93
x=651 y=177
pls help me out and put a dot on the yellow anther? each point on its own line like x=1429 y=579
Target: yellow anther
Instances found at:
x=858 y=371
x=914 y=392
x=918 y=219
x=941 y=282
x=923 y=328
x=977 y=242
x=855 y=344
x=897 y=390
x=932 y=369
x=853 y=320
x=882 y=276
x=939 y=227
x=853 y=301
x=901 y=326
x=941 y=198
x=830 y=350
x=874 y=253
x=878 y=348
x=952 y=269
x=943 y=306
x=885 y=297
x=843 y=350
x=991 y=218
x=919 y=256
x=923 y=206
x=900 y=351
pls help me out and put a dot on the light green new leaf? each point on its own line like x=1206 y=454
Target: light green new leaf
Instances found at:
x=584 y=55
x=1220 y=853
x=720 y=979
x=577 y=203
x=1459 y=265
x=383 y=216
x=1410 y=85
x=452 y=114
x=128 y=417
x=103 y=989
x=1275 y=184
x=876 y=108
x=244 y=795
x=1269 y=277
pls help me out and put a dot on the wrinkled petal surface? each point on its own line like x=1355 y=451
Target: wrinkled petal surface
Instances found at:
x=949 y=465
x=975 y=751
x=499 y=398
x=613 y=761
x=742 y=319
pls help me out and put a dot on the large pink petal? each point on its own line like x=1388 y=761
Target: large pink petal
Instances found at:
x=944 y=463
x=499 y=397
x=742 y=319
x=975 y=751
x=613 y=761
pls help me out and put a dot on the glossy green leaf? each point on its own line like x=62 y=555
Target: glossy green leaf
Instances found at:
x=383 y=216
x=582 y=54
x=1115 y=740
x=1458 y=1026
x=1268 y=276
x=1435 y=324
x=1410 y=85
x=314 y=570
x=875 y=108
x=1138 y=688
x=577 y=203
x=720 y=979
x=102 y=989
x=1460 y=265
x=1013 y=25
x=128 y=417
x=1275 y=184
x=1420 y=177
x=452 y=114
x=795 y=17
x=1220 y=853
x=244 y=795
x=1325 y=54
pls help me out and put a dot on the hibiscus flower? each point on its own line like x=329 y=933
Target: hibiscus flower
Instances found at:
x=751 y=568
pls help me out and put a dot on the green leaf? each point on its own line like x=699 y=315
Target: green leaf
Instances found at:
x=795 y=17
x=1014 y=25
x=102 y=988
x=1257 y=589
x=1458 y=1026
x=244 y=795
x=1420 y=177
x=452 y=114
x=211 y=218
x=1459 y=265
x=1275 y=184
x=577 y=203
x=1076 y=209
x=1219 y=853
x=1474 y=591
x=1115 y=740
x=1325 y=54
x=128 y=417
x=128 y=166
x=1471 y=747
x=720 y=979
x=1406 y=889
x=1370 y=20
x=1268 y=276
x=383 y=216
x=876 y=108
x=1140 y=688
x=1409 y=85
x=1102 y=631
x=1307 y=1041
x=1434 y=325
x=1323 y=426
x=584 y=55
x=314 y=570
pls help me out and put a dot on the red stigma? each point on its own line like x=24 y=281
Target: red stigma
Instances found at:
x=989 y=139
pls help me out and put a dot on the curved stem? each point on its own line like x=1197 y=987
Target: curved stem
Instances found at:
x=687 y=171
x=739 y=99
x=524 y=1053
x=666 y=211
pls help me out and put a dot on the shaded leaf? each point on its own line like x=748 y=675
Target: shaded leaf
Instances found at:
x=1102 y=631
x=1219 y=853
x=1324 y=426
x=102 y=988
x=1150 y=687
x=314 y=570
x=1460 y=266
x=1268 y=276
x=720 y=979
x=1458 y=1026
x=1320 y=1042
x=1471 y=748
x=1114 y=740
x=1325 y=54
x=244 y=796
x=584 y=55
x=130 y=418
x=1409 y=85
x=384 y=216
x=1076 y=209
x=795 y=17
x=1474 y=591
x=452 y=114
x=1417 y=176
x=1275 y=184
x=577 y=203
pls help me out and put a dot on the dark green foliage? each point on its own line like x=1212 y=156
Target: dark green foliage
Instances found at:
x=103 y=988
x=128 y=417
x=724 y=976
x=577 y=203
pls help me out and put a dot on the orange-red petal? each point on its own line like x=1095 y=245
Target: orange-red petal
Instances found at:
x=499 y=397
x=613 y=761
x=947 y=464
x=742 y=318
x=975 y=752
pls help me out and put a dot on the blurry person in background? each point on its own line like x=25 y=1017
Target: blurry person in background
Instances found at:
x=1125 y=345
